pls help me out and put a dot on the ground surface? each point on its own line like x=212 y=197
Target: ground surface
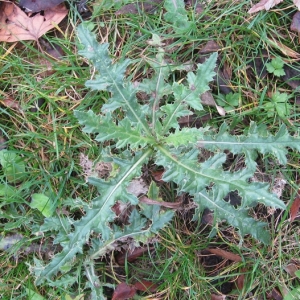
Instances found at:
x=43 y=82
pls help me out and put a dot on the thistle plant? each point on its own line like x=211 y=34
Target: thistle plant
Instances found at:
x=133 y=133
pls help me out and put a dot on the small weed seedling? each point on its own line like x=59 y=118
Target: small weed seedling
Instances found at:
x=276 y=66
x=278 y=105
x=229 y=102
x=133 y=133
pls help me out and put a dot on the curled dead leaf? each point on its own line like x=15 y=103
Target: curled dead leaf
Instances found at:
x=225 y=254
x=15 y=25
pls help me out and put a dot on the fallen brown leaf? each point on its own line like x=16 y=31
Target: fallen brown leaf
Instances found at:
x=15 y=25
x=295 y=25
x=157 y=175
x=131 y=256
x=294 y=209
x=263 y=5
x=267 y=4
x=123 y=291
x=36 y=6
x=208 y=99
x=283 y=48
x=11 y=103
x=225 y=254
x=146 y=286
x=209 y=47
x=217 y=297
x=291 y=269
x=240 y=281
x=134 y=8
x=276 y=295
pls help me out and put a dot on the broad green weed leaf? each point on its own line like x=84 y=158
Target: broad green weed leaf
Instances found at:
x=7 y=192
x=43 y=203
x=13 y=166
x=32 y=295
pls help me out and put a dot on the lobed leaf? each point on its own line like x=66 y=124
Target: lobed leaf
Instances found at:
x=192 y=177
x=237 y=218
x=98 y=216
x=177 y=15
x=111 y=78
x=277 y=144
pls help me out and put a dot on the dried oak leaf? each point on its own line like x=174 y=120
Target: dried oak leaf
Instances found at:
x=267 y=4
x=15 y=25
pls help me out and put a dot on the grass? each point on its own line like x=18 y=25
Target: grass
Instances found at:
x=50 y=141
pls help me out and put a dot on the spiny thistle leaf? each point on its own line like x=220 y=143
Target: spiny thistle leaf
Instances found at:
x=198 y=83
x=274 y=144
x=107 y=130
x=193 y=177
x=177 y=15
x=136 y=229
x=98 y=216
x=184 y=136
x=237 y=218
x=110 y=78
x=171 y=112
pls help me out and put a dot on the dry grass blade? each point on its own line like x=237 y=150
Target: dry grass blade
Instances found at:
x=146 y=200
